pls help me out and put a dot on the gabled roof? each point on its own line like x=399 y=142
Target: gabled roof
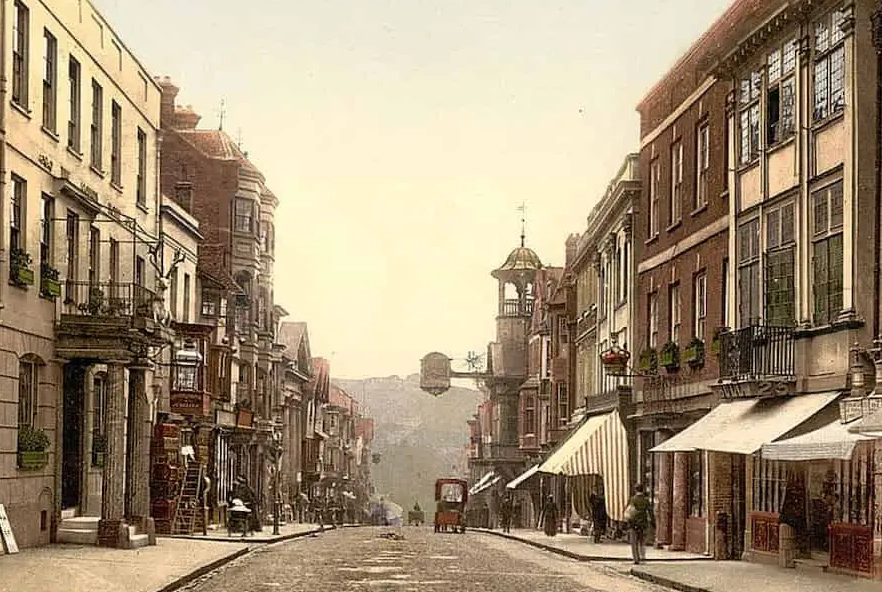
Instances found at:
x=295 y=337
x=210 y=266
x=320 y=383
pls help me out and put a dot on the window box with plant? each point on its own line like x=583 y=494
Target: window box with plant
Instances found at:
x=670 y=356
x=50 y=287
x=32 y=445
x=99 y=449
x=648 y=362
x=694 y=353
x=21 y=271
x=715 y=342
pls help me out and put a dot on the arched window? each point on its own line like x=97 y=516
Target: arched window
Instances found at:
x=28 y=383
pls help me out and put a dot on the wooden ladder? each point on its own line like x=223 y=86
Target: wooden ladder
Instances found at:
x=189 y=501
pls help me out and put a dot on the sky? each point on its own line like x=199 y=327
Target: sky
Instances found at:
x=401 y=136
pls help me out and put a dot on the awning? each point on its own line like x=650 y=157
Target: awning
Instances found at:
x=742 y=427
x=513 y=484
x=482 y=482
x=486 y=485
x=599 y=446
x=830 y=442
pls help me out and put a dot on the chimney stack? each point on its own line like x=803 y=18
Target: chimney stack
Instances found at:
x=167 y=102
x=185 y=118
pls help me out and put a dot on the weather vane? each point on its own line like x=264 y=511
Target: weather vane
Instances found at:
x=221 y=114
x=523 y=210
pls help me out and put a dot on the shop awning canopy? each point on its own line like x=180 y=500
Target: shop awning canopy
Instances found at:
x=830 y=442
x=599 y=446
x=742 y=427
x=522 y=478
x=482 y=483
x=486 y=485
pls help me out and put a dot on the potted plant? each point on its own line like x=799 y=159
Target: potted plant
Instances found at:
x=50 y=287
x=670 y=356
x=694 y=353
x=648 y=363
x=32 y=445
x=615 y=361
x=20 y=271
x=99 y=449
x=715 y=342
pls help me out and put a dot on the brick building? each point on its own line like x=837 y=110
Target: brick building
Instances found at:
x=680 y=229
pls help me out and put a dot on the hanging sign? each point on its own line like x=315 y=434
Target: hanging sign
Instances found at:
x=8 y=539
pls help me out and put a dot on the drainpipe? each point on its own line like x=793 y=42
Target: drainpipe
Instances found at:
x=3 y=107
x=877 y=209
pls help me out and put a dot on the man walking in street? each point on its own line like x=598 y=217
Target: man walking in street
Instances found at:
x=639 y=517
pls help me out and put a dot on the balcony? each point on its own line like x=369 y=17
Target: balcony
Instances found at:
x=587 y=322
x=757 y=361
x=108 y=320
x=512 y=307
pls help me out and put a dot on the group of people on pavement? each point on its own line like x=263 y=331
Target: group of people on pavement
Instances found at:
x=638 y=518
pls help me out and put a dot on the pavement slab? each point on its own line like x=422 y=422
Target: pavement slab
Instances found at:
x=286 y=531
x=74 y=568
x=738 y=576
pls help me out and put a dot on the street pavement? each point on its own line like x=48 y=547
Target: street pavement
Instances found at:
x=376 y=559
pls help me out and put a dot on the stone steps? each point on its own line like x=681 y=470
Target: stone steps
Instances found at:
x=81 y=530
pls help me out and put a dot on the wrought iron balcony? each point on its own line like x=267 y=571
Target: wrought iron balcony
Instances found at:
x=107 y=300
x=757 y=352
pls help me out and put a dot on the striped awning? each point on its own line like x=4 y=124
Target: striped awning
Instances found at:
x=599 y=446
x=482 y=483
x=832 y=441
x=485 y=485
x=514 y=483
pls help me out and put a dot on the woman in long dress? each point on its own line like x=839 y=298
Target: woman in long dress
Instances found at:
x=550 y=513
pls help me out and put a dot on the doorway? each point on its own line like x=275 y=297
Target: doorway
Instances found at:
x=822 y=503
x=72 y=435
x=739 y=509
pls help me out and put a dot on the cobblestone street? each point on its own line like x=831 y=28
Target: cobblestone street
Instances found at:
x=363 y=559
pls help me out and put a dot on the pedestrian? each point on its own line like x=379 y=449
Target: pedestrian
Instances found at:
x=551 y=516
x=599 y=518
x=638 y=515
x=506 y=512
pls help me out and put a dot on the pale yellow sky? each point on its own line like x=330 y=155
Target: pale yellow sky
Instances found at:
x=401 y=135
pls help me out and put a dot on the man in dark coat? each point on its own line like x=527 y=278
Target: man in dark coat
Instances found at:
x=551 y=516
x=597 y=502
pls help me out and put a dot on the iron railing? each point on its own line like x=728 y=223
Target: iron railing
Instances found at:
x=512 y=307
x=755 y=352
x=107 y=299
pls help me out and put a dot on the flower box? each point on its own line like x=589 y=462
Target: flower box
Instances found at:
x=32 y=460
x=694 y=353
x=24 y=276
x=670 y=357
x=615 y=362
x=648 y=363
x=50 y=288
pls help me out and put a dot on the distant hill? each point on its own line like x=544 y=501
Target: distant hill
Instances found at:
x=419 y=437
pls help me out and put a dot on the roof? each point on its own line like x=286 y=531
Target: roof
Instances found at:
x=218 y=144
x=210 y=266
x=320 y=383
x=520 y=259
x=734 y=24
x=339 y=398
x=291 y=335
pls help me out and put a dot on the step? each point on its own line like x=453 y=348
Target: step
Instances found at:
x=69 y=513
x=77 y=536
x=80 y=523
x=139 y=540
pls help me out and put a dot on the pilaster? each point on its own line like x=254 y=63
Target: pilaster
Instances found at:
x=664 y=498
x=680 y=495
x=112 y=524
x=138 y=476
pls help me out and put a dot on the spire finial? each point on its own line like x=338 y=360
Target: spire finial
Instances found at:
x=221 y=115
x=523 y=210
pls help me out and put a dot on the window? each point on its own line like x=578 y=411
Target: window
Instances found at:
x=750 y=117
x=829 y=69
x=139 y=271
x=676 y=181
x=827 y=253
x=654 y=184
x=702 y=164
x=115 y=143
x=563 y=332
x=46 y=234
x=626 y=254
x=97 y=123
x=529 y=415
x=209 y=303
x=243 y=215
x=187 y=378
x=73 y=243
x=50 y=80
x=94 y=256
x=18 y=199
x=653 y=320
x=696 y=484
x=674 y=313
x=173 y=293
x=99 y=406
x=780 y=264
x=601 y=300
x=114 y=261
x=27 y=393
x=748 y=274
x=563 y=404
x=186 y=297
x=73 y=125
x=142 y=168
x=781 y=94
x=20 y=41
x=699 y=307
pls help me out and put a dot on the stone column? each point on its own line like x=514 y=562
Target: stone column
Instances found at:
x=138 y=476
x=112 y=525
x=680 y=501
x=663 y=511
